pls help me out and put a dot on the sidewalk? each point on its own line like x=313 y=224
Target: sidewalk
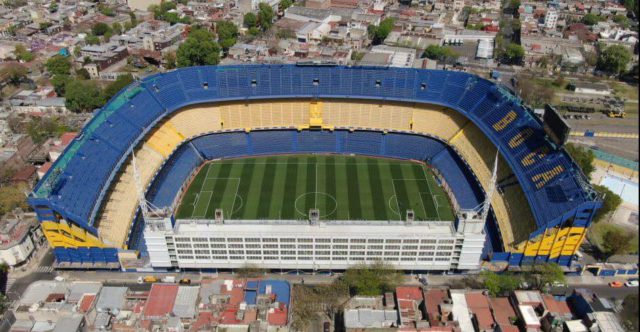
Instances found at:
x=32 y=265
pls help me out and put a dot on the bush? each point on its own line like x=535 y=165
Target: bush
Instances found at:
x=610 y=202
x=583 y=157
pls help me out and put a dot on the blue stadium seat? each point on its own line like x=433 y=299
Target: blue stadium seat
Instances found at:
x=173 y=175
x=266 y=142
x=221 y=145
x=362 y=142
x=316 y=141
x=456 y=175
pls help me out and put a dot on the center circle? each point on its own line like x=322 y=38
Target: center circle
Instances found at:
x=299 y=203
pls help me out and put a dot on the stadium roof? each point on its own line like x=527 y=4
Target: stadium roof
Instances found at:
x=79 y=180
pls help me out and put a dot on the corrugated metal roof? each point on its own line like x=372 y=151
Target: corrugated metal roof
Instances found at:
x=111 y=298
x=185 y=303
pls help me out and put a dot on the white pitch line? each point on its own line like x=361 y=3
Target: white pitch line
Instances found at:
x=235 y=198
x=431 y=192
x=315 y=195
x=395 y=193
x=208 y=202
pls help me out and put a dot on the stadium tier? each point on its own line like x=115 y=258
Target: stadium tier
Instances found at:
x=174 y=122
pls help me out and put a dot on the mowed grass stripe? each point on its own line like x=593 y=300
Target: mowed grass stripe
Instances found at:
x=277 y=191
x=266 y=190
x=310 y=197
x=252 y=194
x=220 y=185
x=299 y=202
x=342 y=190
x=188 y=201
x=330 y=188
x=425 y=193
x=367 y=202
x=377 y=195
x=290 y=189
x=400 y=189
x=413 y=187
x=355 y=210
x=246 y=176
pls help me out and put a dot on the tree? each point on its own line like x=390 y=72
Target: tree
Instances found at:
x=120 y=83
x=100 y=29
x=117 y=28
x=614 y=59
x=83 y=96
x=133 y=18
x=253 y=31
x=591 y=19
x=327 y=299
x=610 y=202
x=583 y=157
x=22 y=53
x=58 y=65
x=92 y=40
x=286 y=34
x=198 y=49
x=16 y=74
x=265 y=16
x=370 y=280
x=59 y=83
x=545 y=274
x=227 y=33
x=106 y=10
x=83 y=74
x=514 y=53
x=12 y=197
x=616 y=240
x=441 y=53
x=532 y=92
x=40 y=129
x=499 y=284
x=170 y=60
x=250 y=20
x=284 y=4
x=107 y=36
x=622 y=20
x=250 y=271
x=379 y=33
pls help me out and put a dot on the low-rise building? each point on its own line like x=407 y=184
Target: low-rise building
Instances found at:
x=19 y=235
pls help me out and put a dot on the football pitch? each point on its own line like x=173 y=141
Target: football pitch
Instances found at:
x=340 y=187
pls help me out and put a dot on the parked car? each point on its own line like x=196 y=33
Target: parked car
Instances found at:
x=631 y=283
x=185 y=281
x=616 y=284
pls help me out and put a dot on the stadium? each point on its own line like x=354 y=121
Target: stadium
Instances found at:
x=314 y=167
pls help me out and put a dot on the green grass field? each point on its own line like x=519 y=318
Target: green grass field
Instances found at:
x=341 y=187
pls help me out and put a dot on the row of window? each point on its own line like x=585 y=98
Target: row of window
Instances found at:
x=309 y=240
x=317 y=253
x=310 y=246
x=320 y=258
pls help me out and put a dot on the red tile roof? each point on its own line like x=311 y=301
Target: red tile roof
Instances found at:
x=24 y=174
x=160 y=300
x=86 y=303
x=277 y=316
x=66 y=138
x=45 y=167
x=409 y=293
x=484 y=318
x=502 y=310
x=555 y=306
x=477 y=300
x=433 y=298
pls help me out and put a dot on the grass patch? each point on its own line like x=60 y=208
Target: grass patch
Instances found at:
x=597 y=231
x=340 y=187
